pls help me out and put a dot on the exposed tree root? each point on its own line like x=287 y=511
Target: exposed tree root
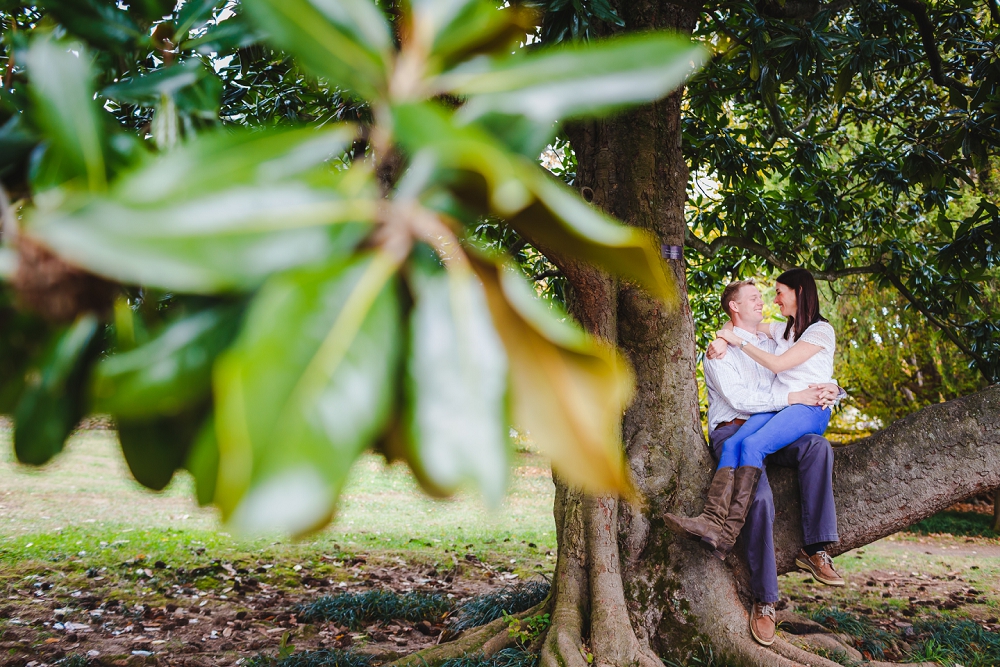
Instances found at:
x=561 y=647
x=485 y=640
x=612 y=638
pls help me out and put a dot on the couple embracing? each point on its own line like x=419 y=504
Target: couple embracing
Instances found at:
x=770 y=392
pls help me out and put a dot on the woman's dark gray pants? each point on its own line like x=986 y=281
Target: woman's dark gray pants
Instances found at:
x=813 y=457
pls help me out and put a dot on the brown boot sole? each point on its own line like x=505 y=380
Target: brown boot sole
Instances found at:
x=807 y=566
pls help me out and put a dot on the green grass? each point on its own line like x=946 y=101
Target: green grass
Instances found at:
x=508 y=657
x=869 y=639
x=965 y=524
x=355 y=610
x=508 y=600
x=320 y=658
x=963 y=642
x=85 y=512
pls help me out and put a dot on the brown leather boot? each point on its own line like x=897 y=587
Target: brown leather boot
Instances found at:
x=708 y=524
x=744 y=489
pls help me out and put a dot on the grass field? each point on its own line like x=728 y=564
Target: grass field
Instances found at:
x=133 y=568
x=86 y=501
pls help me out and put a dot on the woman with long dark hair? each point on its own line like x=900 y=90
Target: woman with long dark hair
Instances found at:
x=804 y=357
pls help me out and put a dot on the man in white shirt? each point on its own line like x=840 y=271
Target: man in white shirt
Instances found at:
x=737 y=388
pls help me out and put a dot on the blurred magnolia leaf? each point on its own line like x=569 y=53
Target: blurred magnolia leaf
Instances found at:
x=309 y=384
x=573 y=80
x=463 y=28
x=53 y=404
x=533 y=202
x=155 y=448
x=104 y=24
x=456 y=386
x=169 y=373
x=192 y=14
x=203 y=462
x=194 y=88
x=568 y=390
x=220 y=214
x=346 y=41
x=61 y=90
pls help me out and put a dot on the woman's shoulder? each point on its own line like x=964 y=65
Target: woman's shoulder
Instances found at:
x=820 y=333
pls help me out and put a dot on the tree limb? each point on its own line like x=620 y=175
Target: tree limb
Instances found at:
x=926 y=30
x=911 y=470
x=994 y=10
x=711 y=249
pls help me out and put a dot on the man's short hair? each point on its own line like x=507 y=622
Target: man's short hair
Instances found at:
x=731 y=293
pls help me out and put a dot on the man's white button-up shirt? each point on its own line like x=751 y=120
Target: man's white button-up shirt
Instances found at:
x=738 y=386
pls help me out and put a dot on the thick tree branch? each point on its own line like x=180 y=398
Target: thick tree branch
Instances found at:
x=926 y=30
x=910 y=470
x=711 y=249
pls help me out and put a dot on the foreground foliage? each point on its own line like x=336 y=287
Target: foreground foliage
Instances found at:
x=291 y=296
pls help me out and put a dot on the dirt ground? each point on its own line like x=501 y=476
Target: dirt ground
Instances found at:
x=186 y=626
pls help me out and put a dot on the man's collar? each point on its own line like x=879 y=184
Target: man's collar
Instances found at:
x=745 y=335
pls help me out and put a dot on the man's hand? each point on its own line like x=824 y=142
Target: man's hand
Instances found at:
x=717 y=349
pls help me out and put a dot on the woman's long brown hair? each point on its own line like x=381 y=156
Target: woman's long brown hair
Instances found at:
x=807 y=301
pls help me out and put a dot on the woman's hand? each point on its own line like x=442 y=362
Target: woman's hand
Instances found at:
x=729 y=336
x=717 y=349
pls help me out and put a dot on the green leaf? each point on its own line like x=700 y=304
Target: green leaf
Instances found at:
x=230 y=242
x=219 y=214
x=308 y=386
x=568 y=390
x=203 y=462
x=64 y=99
x=170 y=373
x=346 y=41
x=154 y=449
x=226 y=159
x=571 y=81
x=461 y=29
x=843 y=85
x=457 y=387
x=532 y=201
x=55 y=401
x=104 y=24
x=192 y=14
x=194 y=87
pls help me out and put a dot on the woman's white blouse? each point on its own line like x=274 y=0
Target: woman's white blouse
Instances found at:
x=814 y=370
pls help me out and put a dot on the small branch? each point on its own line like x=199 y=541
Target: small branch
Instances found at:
x=711 y=249
x=802 y=9
x=551 y=273
x=926 y=30
x=942 y=326
x=994 y=14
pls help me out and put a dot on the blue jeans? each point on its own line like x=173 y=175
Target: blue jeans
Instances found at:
x=813 y=457
x=767 y=432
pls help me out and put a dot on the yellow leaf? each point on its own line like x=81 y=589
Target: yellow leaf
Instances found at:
x=568 y=390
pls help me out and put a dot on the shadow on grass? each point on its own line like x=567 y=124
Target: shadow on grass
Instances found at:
x=965 y=524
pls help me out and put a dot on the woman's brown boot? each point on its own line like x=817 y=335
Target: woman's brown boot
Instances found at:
x=707 y=525
x=744 y=489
